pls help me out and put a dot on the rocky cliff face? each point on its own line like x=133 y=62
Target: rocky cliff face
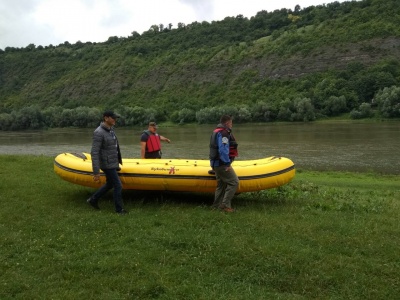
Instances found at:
x=275 y=67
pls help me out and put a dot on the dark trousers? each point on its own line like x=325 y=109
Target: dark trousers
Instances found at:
x=114 y=182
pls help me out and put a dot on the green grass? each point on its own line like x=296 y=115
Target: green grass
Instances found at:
x=326 y=235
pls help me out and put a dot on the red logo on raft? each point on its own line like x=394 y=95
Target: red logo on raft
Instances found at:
x=170 y=171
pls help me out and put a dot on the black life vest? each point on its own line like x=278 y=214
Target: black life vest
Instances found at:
x=214 y=153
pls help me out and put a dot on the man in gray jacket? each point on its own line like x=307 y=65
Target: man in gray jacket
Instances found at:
x=106 y=156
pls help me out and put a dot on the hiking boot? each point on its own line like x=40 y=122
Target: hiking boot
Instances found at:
x=122 y=212
x=93 y=203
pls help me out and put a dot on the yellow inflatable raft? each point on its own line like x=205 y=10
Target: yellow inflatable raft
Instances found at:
x=178 y=174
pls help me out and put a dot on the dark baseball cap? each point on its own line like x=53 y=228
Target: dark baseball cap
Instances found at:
x=111 y=114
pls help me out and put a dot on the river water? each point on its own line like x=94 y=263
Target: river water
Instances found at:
x=340 y=146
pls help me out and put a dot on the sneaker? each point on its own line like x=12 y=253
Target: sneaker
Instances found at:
x=122 y=212
x=228 y=210
x=93 y=203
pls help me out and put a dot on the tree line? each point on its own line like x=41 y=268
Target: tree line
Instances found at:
x=386 y=104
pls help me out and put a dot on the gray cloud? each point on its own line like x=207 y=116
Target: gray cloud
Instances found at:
x=117 y=16
x=17 y=24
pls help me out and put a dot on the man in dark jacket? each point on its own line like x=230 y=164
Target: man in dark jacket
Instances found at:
x=106 y=156
x=223 y=150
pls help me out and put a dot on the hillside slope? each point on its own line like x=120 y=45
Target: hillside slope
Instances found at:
x=271 y=57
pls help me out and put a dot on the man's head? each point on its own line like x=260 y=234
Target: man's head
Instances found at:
x=153 y=127
x=226 y=121
x=109 y=117
x=110 y=114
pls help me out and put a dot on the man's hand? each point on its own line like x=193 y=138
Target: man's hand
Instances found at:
x=164 y=139
x=96 y=177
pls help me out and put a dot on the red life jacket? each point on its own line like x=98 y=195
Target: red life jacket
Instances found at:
x=233 y=151
x=153 y=142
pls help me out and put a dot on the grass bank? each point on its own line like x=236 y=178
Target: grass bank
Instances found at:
x=323 y=236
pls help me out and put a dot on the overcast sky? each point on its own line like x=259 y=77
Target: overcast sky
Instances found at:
x=45 y=22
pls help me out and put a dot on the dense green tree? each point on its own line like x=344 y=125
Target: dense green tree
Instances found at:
x=135 y=115
x=85 y=117
x=388 y=100
x=186 y=115
x=31 y=47
x=298 y=109
x=243 y=114
x=369 y=83
x=334 y=106
x=67 y=118
x=323 y=90
x=303 y=110
x=112 y=40
x=364 y=111
x=6 y=121
x=52 y=116
x=27 y=118
x=209 y=115
x=263 y=112
x=286 y=109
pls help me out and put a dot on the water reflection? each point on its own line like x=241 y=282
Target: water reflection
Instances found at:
x=318 y=146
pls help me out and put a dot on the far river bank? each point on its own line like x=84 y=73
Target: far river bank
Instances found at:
x=335 y=145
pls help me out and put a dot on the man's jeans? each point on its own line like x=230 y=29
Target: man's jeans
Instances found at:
x=113 y=181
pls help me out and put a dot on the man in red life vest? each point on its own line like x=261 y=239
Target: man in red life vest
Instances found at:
x=223 y=150
x=150 y=142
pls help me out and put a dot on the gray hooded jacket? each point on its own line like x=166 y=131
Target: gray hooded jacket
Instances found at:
x=105 y=149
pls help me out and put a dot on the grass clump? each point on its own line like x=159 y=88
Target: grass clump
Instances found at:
x=323 y=236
